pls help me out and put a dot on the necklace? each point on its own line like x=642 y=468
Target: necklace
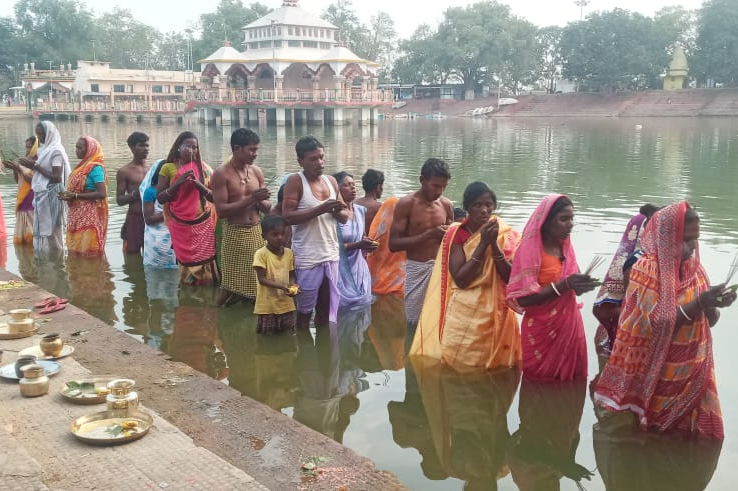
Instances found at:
x=244 y=178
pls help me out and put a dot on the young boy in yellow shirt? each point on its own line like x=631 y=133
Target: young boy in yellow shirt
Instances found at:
x=274 y=265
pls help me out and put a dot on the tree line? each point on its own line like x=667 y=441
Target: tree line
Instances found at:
x=483 y=44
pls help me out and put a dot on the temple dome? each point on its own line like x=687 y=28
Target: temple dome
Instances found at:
x=290 y=14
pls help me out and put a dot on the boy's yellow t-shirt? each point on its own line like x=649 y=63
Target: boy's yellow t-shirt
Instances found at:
x=272 y=300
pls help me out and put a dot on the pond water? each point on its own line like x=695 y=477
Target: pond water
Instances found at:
x=434 y=428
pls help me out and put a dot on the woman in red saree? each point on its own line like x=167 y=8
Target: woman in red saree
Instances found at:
x=87 y=223
x=661 y=368
x=544 y=284
x=183 y=190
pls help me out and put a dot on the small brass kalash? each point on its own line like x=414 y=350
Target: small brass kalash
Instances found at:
x=121 y=397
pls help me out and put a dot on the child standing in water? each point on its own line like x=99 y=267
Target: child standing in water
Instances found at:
x=274 y=265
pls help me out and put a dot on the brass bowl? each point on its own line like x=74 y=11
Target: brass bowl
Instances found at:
x=19 y=314
x=94 y=428
x=18 y=326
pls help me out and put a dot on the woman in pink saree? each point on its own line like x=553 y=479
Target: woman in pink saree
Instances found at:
x=661 y=369
x=544 y=284
x=183 y=190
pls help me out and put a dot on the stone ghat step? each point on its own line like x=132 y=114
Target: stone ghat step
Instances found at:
x=18 y=470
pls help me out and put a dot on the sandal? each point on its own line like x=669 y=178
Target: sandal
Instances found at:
x=54 y=306
x=49 y=301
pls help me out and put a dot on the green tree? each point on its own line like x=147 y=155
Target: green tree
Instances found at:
x=123 y=41
x=60 y=30
x=225 y=24
x=477 y=41
x=614 y=50
x=717 y=43
x=521 y=63
x=549 y=55
x=422 y=59
x=355 y=34
x=170 y=52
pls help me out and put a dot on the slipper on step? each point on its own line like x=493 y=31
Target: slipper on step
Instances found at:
x=53 y=307
x=50 y=301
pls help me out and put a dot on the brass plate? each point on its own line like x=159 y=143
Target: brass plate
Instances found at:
x=6 y=334
x=50 y=368
x=94 y=428
x=36 y=351
x=87 y=398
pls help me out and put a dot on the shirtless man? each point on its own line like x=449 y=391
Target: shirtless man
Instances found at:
x=128 y=180
x=419 y=223
x=373 y=183
x=239 y=194
x=312 y=205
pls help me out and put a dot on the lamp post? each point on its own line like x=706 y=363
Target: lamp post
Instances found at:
x=51 y=82
x=581 y=4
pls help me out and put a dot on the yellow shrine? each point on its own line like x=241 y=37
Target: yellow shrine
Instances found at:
x=676 y=75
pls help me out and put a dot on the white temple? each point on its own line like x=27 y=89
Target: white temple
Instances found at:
x=301 y=48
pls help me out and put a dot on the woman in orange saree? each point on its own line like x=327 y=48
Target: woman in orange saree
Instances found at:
x=544 y=284
x=661 y=368
x=24 y=200
x=465 y=321
x=87 y=225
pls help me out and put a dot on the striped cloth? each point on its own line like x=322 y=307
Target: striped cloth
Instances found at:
x=239 y=244
x=417 y=275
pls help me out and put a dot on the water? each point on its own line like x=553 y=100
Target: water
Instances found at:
x=433 y=428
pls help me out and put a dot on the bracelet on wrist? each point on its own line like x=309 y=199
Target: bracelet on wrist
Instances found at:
x=476 y=260
x=166 y=191
x=681 y=309
x=556 y=290
x=499 y=257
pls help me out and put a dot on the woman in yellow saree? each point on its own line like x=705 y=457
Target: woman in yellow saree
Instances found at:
x=465 y=321
x=87 y=226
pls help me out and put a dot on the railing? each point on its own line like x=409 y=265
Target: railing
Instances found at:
x=266 y=96
x=123 y=106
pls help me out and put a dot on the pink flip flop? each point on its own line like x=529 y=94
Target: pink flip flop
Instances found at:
x=54 y=306
x=49 y=301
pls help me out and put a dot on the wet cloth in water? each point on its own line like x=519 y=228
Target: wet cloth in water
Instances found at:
x=132 y=233
x=417 y=275
x=240 y=242
x=387 y=268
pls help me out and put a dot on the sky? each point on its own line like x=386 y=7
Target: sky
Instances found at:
x=177 y=15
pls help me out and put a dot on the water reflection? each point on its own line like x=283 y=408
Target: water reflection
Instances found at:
x=636 y=460
x=387 y=331
x=544 y=448
x=467 y=417
x=195 y=338
x=91 y=286
x=162 y=286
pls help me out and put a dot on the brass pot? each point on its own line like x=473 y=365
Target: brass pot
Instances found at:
x=18 y=326
x=121 y=398
x=34 y=383
x=20 y=314
x=51 y=344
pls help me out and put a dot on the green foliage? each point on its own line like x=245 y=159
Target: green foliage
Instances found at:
x=225 y=24
x=122 y=40
x=355 y=34
x=717 y=43
x=614 y=50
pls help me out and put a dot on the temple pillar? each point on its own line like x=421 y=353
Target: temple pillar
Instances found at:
x=338 y=84
x=278 y=85
x=338 y=117
x=364 y=116
x=210 y=116
x=280 y=116
x=316 y=89
x=225 y=116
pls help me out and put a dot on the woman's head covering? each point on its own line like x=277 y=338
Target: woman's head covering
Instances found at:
x=51 y=146
x=527 y=264
x=94 y=151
